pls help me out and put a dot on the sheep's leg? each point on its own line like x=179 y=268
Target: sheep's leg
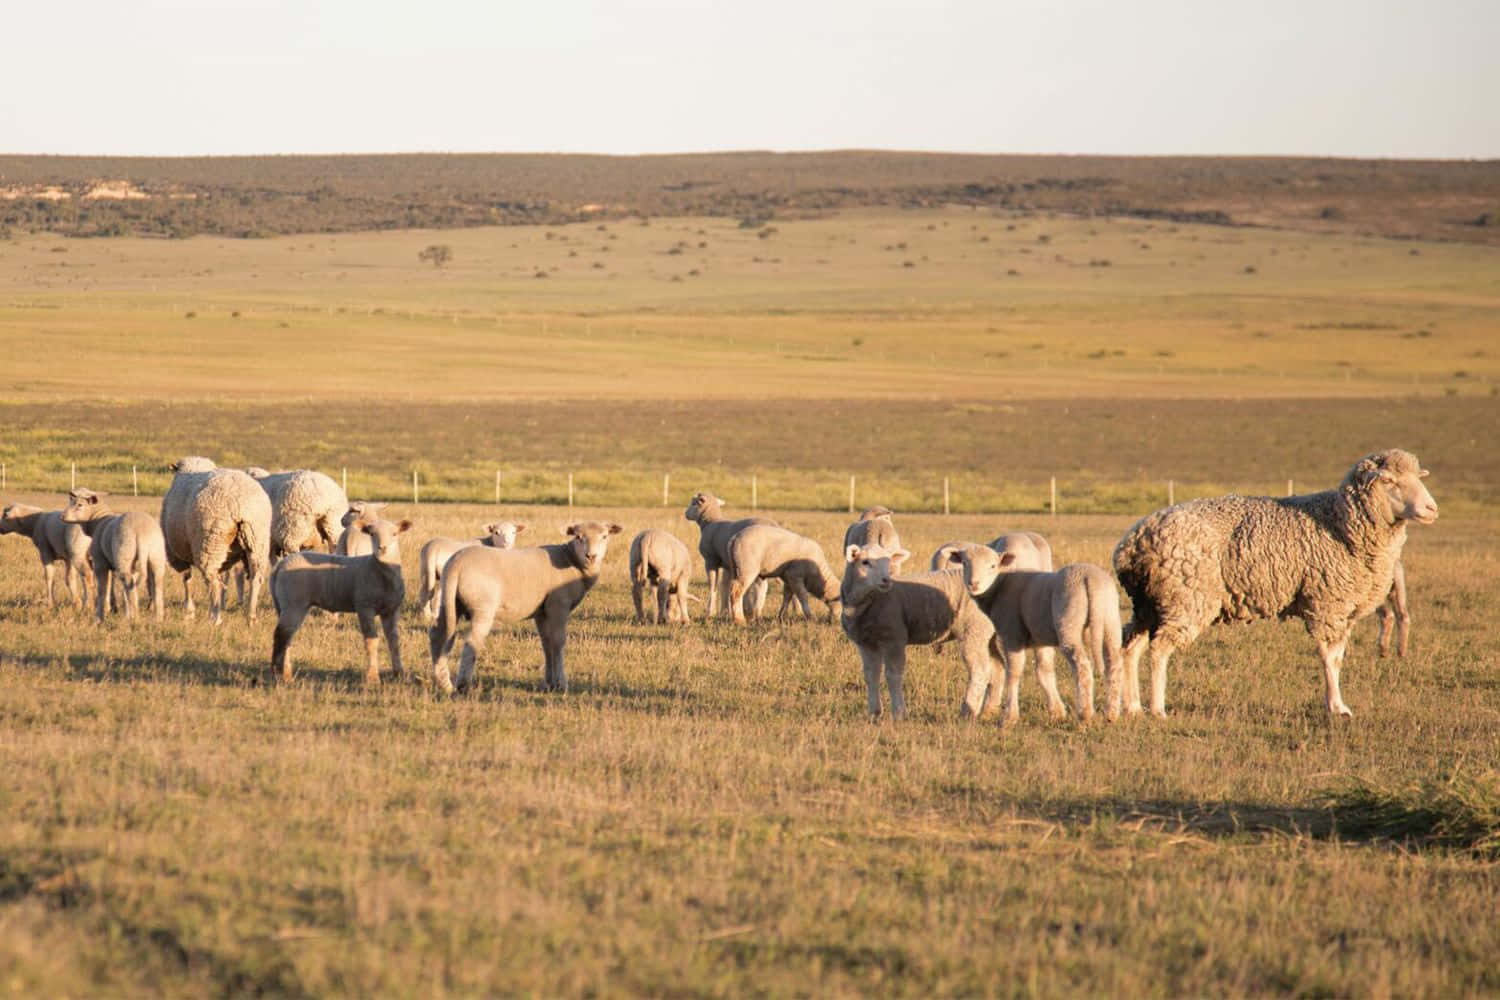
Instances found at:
x=872 y=661
x=1397 y=602
x=372 y=646
x=1134 y=647
x=664 y=603
x=257 y=575
x=801 y=594
x=390 y=624
x=1046 y=673
x=1332 y=654
x=158 y=593
x=187 y=593
x=713 y=593
x=1015 y=663
x=553 y=630
x=981 y=673
x=101 y=590
x=895 y=680
x=993 y=696
x=479 y=630
x=441 y=643
x=637 y=590
x=758 y=601
x=738 y=600
x=1161 y=651
x=287 y=625
x=131 y=581
x=1387 y=619
x=49 y=573
x=1083 y=675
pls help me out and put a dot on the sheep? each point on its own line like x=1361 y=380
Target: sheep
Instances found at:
x=56 y=542
x=305 y=506
x=437 y=551
x=352 y=542
x=874 y=527
x=368 y=586
x=1075 y=609
x=715 y=533
x=1328 y=558
x=1394 y=615
x=212 y=518
x=660 y=558
x=128 y=545
x=544 y=584
x=1031 y=550
x=763 y=551
x=882 y=616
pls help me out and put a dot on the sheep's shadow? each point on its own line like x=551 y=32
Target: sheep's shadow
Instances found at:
x=1224 y=820
x=207 y=670
x=522 y=681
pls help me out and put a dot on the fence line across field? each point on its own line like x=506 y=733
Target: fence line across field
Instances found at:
x=943 y=497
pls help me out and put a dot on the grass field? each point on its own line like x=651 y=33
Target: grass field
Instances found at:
x=707 y=812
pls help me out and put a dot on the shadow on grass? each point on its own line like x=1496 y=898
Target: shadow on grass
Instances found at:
x=146 y=667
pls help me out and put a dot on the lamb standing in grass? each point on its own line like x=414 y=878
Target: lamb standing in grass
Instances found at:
x=874 y=527
x=659 y=559
x=212 y=518
x=306 y=506
x=353 y=542
x=1030 y=549
x=56 y=542
x=1076 y=609
x=1394 y=615
x=763 y=551
x=1328 y=558
x=715 y=533
x=883 y=615
x=544 y=584
x=128 y=545
x=437 y=551
x=368 y=586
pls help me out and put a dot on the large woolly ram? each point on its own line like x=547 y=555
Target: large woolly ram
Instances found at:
x=1327 y=558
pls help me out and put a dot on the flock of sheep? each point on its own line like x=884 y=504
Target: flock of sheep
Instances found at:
x=1328 y=558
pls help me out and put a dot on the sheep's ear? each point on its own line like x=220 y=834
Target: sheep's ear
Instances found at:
x=956 y=556
x=520 y=528
x=898 y=557
x=851 y=553
x=613 y=528
x=1007 y=559
x=571 y=530
x=1423 y=474
x=491 y=528
x=404 y=525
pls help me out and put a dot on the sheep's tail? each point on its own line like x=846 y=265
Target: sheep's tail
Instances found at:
x=1106 y=632
x=639 y=569
x=247 y=532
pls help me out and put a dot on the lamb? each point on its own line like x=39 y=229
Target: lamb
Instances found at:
x=437 y=551
x=368 y=586
x=1394 y=616
x=128 y=545
x=353 y=542
x=763 y=551
x=715 y=533
x=1328 y=558
x=544 y=584
x=1031 y=551
x=212 y=518
x=305 y=506
x=882 y=616
x=1076 y=609
x=874 y=527
x=660 y=558
x=56 y=542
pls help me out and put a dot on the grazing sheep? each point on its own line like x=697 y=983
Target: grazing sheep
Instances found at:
x=544 y=583
x=1394 y=615
x=1328 y=558
x=305 y=506
x=368 y=586
x=212 y=518
x=353 y=542
x=874 y=527
x=437 y=551
x=56 y=542
x=715 y=533
x=128 y=545
x=1076 y=609
x=660 y=558
x=883 y=615
x=1031 y=551
x=763 y=551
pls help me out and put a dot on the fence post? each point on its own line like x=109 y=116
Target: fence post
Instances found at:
x=135 y=482
x=415 y=492
x=2 y=475
x=851 y=494
x=754 y=493
x=1289 y=487
x=497 y=486
x=73 y=476
x=945 y=494
x=1054 y=496
x=1171 y=494
x=346 y=480
x=570 y=489
x=666 y=482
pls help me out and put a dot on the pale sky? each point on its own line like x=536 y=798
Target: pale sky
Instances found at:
x=1368 y=78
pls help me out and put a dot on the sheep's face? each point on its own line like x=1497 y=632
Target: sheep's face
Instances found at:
x=1395 y=482
x=872 y=513
x=10 y=518
x=83 y=506
x=869 y=570
x=590 y=540
x=503 y=535
x=703 y=504
x=983 y=566
x=361 y=510
x=384 y=535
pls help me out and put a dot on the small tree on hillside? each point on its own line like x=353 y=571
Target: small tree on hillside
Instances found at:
x=438 y=254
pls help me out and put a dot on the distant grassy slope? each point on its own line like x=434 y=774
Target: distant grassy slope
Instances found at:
x=279 y=194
